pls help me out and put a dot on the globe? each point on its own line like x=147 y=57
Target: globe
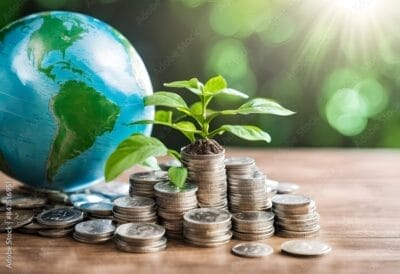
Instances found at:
x=70 y=85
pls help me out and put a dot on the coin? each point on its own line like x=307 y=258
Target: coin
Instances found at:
x=23 y=201
x=287 y=188
x=111 y=190
x=142 y=232
x=78 y=199
x=305 y=248
x=95 y=228
x=98 y=208
x=204 y=216
x=232 y=162
x=291 y=200
x=252 y=250
x=135 y=202
x=15 y=219
x=56 y=233
x=60 y=217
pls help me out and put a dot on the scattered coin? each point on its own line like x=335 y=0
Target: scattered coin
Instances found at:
x=94 y=231
x=23 y=201
x=60 y=217
x=287 y=188
x=252 y=250
x=111 y=190
x=78 y=199
x=56 y=233
x=99 y=210
x=305 y=248
x=15 y=219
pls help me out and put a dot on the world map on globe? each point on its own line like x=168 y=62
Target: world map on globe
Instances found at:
x=69 y=87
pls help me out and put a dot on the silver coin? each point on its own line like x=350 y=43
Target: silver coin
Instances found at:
x=95 y=228
x=166 y=187
x=78 y=199
x=252 y=250
x=291 y=200
x=55 y=233
x=305 y=247
x=207 y=216
x=111 y=190
x=23 y=201
x=287 y=188
x=238 y=161
x=253 y=216
x=99 y=208
x=134 y=202
x=140 y=231
x=60 y=217
x=151 y=176
x=15 y=219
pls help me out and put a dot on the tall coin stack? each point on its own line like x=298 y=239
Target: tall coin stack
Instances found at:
x=247 y=190
x=172 y=203
x=295 y=216
x=208 y=173
x=135 y=209
x=253 y=226
x=207 y=227
x=140 y=238
x=142 y=183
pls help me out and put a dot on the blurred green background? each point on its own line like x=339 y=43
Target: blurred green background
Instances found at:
x=336 y=63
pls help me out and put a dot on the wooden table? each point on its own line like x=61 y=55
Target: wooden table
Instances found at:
x=357 y=194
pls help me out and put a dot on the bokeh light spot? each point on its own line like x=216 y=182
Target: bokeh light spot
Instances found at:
x=346 y=111
x=374 y=95
x=280 y=30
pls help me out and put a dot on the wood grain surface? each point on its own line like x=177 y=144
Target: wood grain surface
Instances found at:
x=357 y=194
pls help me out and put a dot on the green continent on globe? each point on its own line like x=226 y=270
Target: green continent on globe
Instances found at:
x=82 y=114
x=53 y=35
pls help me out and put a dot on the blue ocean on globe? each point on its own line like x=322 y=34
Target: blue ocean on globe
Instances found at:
x=69 y=87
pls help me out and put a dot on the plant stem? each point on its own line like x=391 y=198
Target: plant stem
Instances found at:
x=205 y=124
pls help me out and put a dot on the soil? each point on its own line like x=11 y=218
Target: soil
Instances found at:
x=204 y=147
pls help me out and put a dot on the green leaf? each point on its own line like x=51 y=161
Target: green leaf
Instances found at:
x=152 y=163
x=166 y=99
x=261 y=105
x=135 y=149
x=194 y=85
x=251 y=133
x=163 y=116
x=178 y=176
x=215 y=84
x=185 y=127
x=174 y=154
x=196 y=108
x=234 y=92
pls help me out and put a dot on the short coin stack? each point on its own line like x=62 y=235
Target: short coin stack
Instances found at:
x=207 y=227
x=208 y=173
x=142 y=183
x=59 y=222
x=140 y=238
x=253 y=226
x=295 y=216
x=248 y=192
x=94 y=231
x=134 y=209
x=172 y=203
x=98 y=210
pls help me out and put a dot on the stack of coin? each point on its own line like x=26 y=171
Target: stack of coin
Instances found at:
x=208 y=173
x=207 y=227
x=94 y=231
x=98 y=210
x=295 y=216
x=172 y=203
x=135 y=209
x=248 y=192
x=59 y=222
x=140 y=237
x=240 y=166
x=142 y=183
x=253 y=226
